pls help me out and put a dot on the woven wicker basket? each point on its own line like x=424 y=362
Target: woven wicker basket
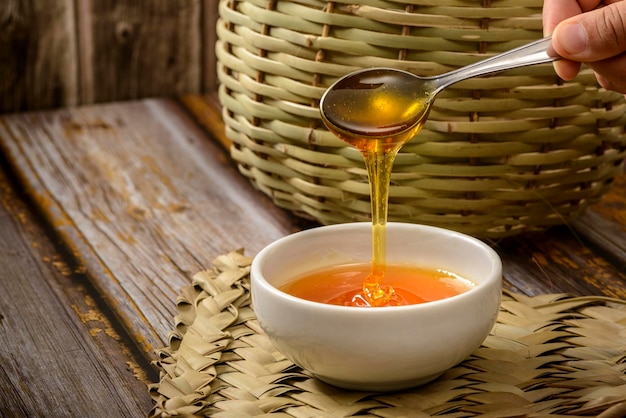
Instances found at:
x=520 y=150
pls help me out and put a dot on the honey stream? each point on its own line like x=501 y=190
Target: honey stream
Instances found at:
x=368 y=111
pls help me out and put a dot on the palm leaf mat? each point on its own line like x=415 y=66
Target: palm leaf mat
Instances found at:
x=548 y=356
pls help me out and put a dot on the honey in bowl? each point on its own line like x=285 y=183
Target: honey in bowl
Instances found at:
x=342 y=285
x=368 y=111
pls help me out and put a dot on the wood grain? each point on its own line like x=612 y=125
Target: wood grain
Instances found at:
x=141 y=198
x=209 y=38
x=560 y=261
x=604 y=225
x=139 y=48
x=59 y=53
x=586 y=257
x=38 y=56
x=206 y=111
x=62 y=354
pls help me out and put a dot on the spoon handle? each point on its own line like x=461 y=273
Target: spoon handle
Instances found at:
x=536 y=52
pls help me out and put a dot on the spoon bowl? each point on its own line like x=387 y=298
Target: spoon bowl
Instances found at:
x=393 y=104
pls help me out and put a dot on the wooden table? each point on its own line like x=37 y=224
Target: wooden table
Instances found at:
x=108 y=210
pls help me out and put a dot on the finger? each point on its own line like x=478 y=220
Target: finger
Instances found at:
x=610 y=73
x=592 y=36
x=555 y=11
x=608 y=84
x=567 y=70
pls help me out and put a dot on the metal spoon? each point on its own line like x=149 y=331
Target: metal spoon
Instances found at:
x=380 y=103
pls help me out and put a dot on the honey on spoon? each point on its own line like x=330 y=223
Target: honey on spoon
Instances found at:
x=378 y=110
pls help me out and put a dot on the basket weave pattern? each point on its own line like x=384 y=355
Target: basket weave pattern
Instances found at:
x=520 y=150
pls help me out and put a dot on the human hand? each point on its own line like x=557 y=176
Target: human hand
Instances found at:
x=591 y=32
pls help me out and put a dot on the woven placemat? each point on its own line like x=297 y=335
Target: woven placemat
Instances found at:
x=548 y=356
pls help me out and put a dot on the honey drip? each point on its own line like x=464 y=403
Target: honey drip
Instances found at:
x=369 y=113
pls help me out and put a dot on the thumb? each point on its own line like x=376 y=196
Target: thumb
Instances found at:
x=592 y=36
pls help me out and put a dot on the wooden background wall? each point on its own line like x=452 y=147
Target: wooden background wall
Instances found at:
x=57 y=53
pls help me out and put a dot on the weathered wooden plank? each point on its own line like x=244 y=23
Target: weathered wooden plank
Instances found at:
x=604 y=225
x=62 y=354
x=38 y=57
x=142 y=198
x=557 y=261
x=66 y=52
x=133 y=49
x=206 y=110
x=587 y=257
x=209 y=68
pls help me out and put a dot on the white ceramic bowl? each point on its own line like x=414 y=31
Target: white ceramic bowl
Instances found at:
x=384 y=348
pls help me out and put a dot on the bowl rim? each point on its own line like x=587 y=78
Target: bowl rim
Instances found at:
x=257 y=279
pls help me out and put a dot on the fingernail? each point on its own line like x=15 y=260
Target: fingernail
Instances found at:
x=573 y=37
